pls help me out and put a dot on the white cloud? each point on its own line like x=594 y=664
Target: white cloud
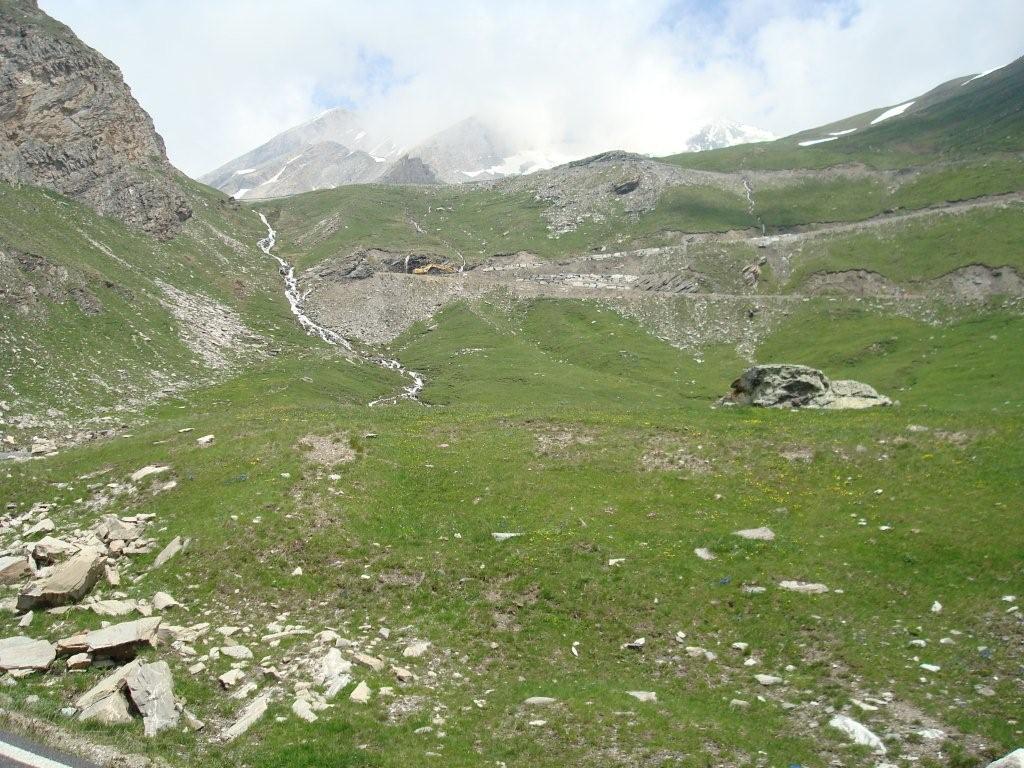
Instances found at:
x=221 y=76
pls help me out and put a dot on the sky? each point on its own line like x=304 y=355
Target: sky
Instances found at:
x=570 y=77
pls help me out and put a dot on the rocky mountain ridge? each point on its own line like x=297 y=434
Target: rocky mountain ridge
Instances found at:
x=336 y=148
x=69 y=123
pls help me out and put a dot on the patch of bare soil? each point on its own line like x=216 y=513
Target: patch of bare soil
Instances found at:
x=554 y=440
x=327 y=450
x=665 y=457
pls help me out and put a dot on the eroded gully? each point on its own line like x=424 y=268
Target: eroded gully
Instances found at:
x=313 y=328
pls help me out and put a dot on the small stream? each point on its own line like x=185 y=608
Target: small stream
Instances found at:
x=295 y=299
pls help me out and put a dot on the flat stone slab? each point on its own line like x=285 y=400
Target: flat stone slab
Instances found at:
x=176 y=545
x=21 y=653
x=121 y=638
x=69 y=582
x=806 y=588
x=253 y=712
x=756 y=534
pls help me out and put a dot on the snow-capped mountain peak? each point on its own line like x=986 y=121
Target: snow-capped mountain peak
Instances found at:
x=725 y=133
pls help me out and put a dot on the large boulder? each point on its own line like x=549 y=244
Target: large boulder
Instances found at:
x=783 y=385
x=1013 y=760
x=69 y=582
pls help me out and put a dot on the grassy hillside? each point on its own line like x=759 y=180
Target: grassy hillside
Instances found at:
x=983 y=117
x=573 y=427
x=89 y=321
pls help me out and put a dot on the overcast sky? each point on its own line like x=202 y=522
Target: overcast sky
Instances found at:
x=221 y=76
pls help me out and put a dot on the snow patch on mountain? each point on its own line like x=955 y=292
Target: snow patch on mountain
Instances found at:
x=892 y=112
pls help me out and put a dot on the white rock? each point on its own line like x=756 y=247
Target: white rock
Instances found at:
x=297 y=571
x=936 y=607
x=304 y=710
x=864 y=706
x=252 y=712
x=68 y=583
x=504 y=536
x=112 y=683
x=403 y=675
x=615 y=561
x=43 y=526
x=237 y=652
x=113 y=607
x=756 y=534
x=415 y=650
x=931 y=667
x=368 y=661
x=858 y=733
x=26 y=620
x=231 y=678
x=118 y=638
x=806 y=588
x=646 y=696
x=361 y=694
x=13 y=568
x=163 y=601
x=704 y=553
x=539 y=701
x=205 y=440
x=173 y=547
x=147 y=471
x=79 y=661
x=1013 y=760
x=112 y=709
x=768 y=679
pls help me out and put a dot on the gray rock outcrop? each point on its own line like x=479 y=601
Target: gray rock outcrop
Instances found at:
x=68 y=122
x=783 y=385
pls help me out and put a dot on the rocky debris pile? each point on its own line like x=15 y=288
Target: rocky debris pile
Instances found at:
x=783 y=385
x=75 y=127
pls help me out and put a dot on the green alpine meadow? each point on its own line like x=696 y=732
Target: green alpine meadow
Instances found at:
x=370 y=454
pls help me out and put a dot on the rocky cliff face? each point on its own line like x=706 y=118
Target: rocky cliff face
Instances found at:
x=69 y=122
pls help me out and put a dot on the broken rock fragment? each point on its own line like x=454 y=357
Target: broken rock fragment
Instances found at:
x=13 y=568
x=112 y=683
x=112 y=709
x=248 y=717
x=756 y=534
x=69 y=582
x=857 y=733
x=174 y=547
x=151 y=687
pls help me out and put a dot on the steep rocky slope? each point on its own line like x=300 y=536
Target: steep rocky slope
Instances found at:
x=69 y=123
